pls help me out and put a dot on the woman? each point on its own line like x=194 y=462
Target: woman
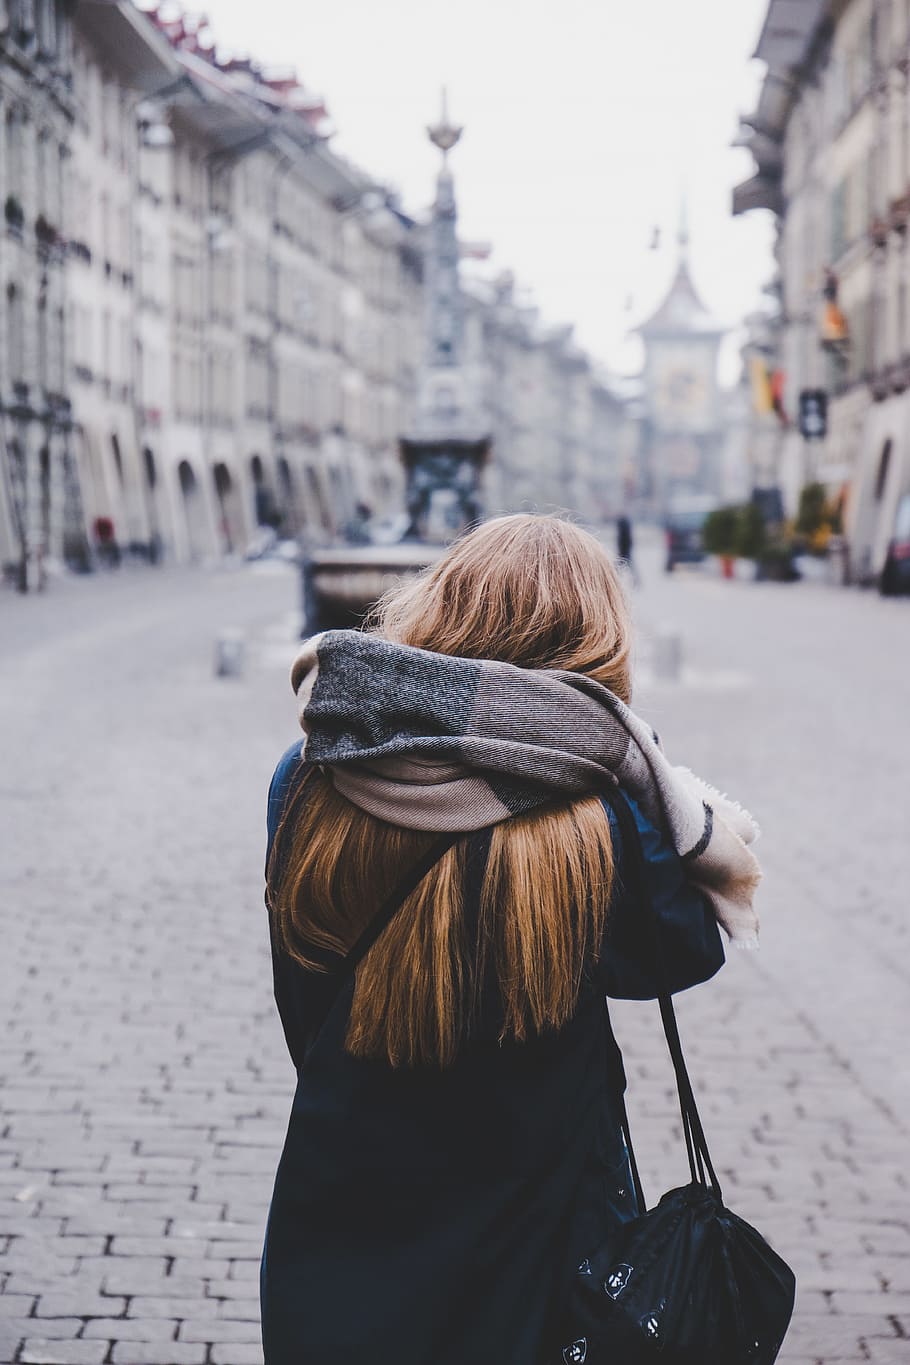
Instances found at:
x=454 y=1144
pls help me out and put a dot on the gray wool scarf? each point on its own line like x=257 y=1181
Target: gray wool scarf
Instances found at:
x=433 y=742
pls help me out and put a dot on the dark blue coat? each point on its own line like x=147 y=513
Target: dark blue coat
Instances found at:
x=436 y=1217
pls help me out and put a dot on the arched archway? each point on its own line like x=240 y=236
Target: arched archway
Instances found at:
x=317 y=508
x=884 y=464
x=193 y=509
x=287 y=497
x=118 y=459
x=230 y=520
x=150 y=477
x=151 y=472
x=341 y=489
x=265 y=505
x=44 y=474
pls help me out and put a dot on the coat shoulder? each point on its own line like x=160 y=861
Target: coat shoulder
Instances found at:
x=289 y=766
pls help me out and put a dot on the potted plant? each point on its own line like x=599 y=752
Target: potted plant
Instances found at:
x=751 y=534
x=775 y=562
x=719 y=535
x=816 y=521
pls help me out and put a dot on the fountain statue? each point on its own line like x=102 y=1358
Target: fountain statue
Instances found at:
x=443 y=453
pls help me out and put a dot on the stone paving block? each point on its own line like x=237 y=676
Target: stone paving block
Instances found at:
x=209 y=1266
x=147 y=1306
x=225 y=1230
x=849 y=1303
x=250 y=1249
x=830 y=1334
x=245 y=1309
x=168 y=1247
x=158 y=1353
x=220 y=1331
x=133 y=1193
x=235 y=1354
x=131 y=1274
x=66 y=1304
x=15 y=1305
x=54 y=1329
x=129 y=1329
x=41 y=1351
x=132 y=1221
x=895 y=1352
x=894 y=1272
x=233 y=1289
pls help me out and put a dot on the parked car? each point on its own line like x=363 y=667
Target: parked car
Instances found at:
x=682 y=529
x=895 y=575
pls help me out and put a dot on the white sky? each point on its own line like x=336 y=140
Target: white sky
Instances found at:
x=584 y=120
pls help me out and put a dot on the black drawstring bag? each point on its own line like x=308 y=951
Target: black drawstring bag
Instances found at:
x=687 y=1282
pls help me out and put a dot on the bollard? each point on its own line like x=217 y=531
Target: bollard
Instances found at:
x=229 y=654
x=668 y=655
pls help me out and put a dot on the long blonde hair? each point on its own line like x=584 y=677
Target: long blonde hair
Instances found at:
x=538 y=592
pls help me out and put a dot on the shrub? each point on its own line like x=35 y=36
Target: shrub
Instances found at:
x=719 y=531
x=812 y=508
x=775 y=562
x=750 y=534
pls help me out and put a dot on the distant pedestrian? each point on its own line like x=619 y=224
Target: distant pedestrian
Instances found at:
x=356 y=530
x=456 y=1124
x=106 y=546
x=624 y=545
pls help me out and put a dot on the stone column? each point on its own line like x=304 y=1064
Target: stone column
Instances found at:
x=56 y=446
x=31 y=436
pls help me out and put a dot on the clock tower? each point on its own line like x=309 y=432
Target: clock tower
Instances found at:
x=683 y=427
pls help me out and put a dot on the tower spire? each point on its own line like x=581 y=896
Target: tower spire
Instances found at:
x=444 y=134
x=682 y=234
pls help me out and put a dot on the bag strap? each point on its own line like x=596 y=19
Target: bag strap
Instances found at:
x=700 y=1164
x=383 y=918
x=380 y=921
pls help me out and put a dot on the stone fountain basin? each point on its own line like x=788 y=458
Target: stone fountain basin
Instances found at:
x=347 y=580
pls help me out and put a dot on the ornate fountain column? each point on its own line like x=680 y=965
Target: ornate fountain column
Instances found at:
x=445 y=452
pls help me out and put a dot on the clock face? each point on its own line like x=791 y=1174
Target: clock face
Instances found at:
x=682 y=389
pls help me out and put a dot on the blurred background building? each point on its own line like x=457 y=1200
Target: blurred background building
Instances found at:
x=213 y=323
x=39 y=489
x=682 y=437
x=831 y=142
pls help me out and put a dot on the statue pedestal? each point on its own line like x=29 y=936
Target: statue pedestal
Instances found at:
x=443 y=486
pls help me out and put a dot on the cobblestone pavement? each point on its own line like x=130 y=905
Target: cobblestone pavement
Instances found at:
x=145 y=1087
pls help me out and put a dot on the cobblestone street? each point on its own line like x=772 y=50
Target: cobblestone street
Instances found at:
x=145 y=1086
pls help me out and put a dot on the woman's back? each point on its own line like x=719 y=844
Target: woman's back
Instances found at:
x=455 y=1147
x=435 y=1215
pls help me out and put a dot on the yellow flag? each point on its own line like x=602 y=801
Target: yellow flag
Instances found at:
x=762 y=395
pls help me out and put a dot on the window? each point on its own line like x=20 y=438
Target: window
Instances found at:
x=106 y=345
x=41 y=174
x=47 y=27
x=104 y=211
x=58 y=352
x=41 y=323
x=257 y=379
x=14 y=135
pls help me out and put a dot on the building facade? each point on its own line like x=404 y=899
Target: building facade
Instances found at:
x=831 y=142
x=683 y=429
x=214 y=324
x=38 y=487
x=557 y=421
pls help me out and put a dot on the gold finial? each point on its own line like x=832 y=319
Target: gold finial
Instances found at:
x=444 y=134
